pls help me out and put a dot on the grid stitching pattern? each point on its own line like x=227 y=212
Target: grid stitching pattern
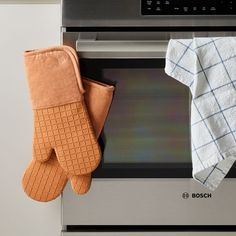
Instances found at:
x=44 y=181
x=213 y=101
x=67 y=130
x=55 y=178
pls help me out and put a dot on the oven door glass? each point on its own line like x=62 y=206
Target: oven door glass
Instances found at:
x=146 y=133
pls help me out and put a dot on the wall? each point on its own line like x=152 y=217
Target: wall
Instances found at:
x=28 y=1
x=22 y=27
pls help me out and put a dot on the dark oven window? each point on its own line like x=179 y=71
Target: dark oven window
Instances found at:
x=147 y=130
x=148 y=121
x=146 y=134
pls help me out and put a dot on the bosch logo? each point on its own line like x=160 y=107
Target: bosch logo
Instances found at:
x=186 y=195
x=201 y=195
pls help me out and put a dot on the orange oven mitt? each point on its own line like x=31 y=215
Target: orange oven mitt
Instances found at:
x=61 y=120
x=44 y=181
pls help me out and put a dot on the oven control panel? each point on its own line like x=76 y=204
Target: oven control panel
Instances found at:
x=188 y=7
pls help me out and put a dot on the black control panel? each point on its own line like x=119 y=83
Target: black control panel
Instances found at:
x=188 y=7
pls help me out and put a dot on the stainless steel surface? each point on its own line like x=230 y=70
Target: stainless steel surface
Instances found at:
x=149 y=202
x=88 y=13
x=150 y=234
x=121 y=49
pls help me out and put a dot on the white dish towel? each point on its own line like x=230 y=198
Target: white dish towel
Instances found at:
x=208 y=67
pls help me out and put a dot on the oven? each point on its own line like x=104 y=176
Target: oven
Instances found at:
x=144 y=181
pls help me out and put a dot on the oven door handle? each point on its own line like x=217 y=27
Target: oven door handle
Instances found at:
x=121 y=49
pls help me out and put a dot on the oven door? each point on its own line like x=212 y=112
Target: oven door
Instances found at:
x=145 y=174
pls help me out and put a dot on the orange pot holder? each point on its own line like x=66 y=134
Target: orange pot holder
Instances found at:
x=45 y=181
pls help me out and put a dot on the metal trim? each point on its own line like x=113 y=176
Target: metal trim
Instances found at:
x=148 y=228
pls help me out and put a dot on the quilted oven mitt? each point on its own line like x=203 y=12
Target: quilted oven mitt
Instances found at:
x=61 y=121
x=45 y=181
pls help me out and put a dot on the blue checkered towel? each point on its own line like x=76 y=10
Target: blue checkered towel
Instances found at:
x=208 y=67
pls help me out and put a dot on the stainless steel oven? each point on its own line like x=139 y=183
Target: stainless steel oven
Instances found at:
x=144 y=183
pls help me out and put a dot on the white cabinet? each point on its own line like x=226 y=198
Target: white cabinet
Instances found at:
x=28 y=1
